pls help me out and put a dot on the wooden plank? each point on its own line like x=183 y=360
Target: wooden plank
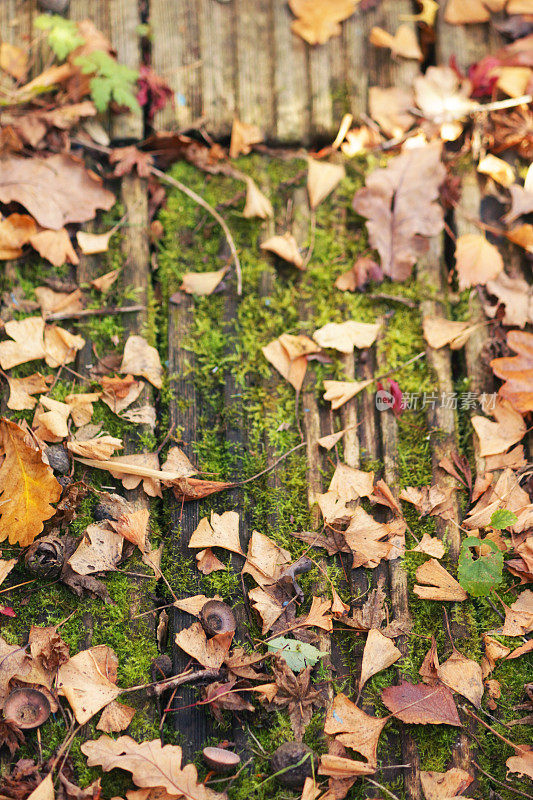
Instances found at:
x=252 y=43
x=291 y=84
x=398 y=586
x=192 y=721
x=168 y=57
x=465 y=43
x=16 y=21
x=124 y=18
x=355 y=33
x=97 y=12
x=442 y=423
x=442 y=420
x=320 y=92
x=385 y=70
x=217 y=72
x=311 y=427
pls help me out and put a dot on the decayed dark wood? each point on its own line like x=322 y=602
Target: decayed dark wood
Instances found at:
x=192 y=721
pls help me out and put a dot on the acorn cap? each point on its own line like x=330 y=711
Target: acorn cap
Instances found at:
x=27 y=708
x=221 y=760
x=45 y=557
x=217 y=617
x=286 y=756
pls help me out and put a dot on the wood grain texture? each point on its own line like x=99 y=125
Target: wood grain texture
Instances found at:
x=465 y=43
x=254 y=62
x=169 y=34
x=217 y=72
x=442 y=421
x=192 y=721
x=291 y=80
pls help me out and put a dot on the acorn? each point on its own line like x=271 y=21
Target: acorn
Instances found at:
x=287 y=756
x=217 y=617
x=45 y=557
x=27 y=708
x=221 y=760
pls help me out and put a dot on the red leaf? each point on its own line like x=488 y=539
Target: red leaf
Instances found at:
x=7 y=611
x=421 y=704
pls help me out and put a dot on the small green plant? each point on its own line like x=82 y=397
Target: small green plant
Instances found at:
x=479 y=576
x=111 y=81
x=144 y=30
x=502 y=518
x=297 y=654
x=63 y=34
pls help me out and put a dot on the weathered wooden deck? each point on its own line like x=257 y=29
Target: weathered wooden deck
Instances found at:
x=240 y=58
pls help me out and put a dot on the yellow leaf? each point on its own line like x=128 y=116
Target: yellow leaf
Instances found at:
x=318 y=21
x=27 y=486
x=404 y=42
x=477 y=260
x=257 y=205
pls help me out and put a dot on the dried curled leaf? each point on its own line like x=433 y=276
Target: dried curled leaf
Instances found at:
x=353 y=728
x=86 y=681
x=404 y=42
x=344 y=336
x=286 y=247
x=322 y=178
x=55 y=190
x=438 y=583
x=257 y=204
x=462 y=675
x=477 y=260
x=379 y=653
x=439 y=785
x=318 y=21
x=140 y=358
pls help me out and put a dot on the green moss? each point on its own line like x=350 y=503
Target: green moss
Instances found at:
x=225 y=343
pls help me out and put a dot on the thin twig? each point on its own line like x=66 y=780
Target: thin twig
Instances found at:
x=393 y=298
x=214 y=213
x=383 y=788
x=516 y=747
x=501 y=783
x=193 y=196
x=271 y=467
x=94 y=312
x=311 y=247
